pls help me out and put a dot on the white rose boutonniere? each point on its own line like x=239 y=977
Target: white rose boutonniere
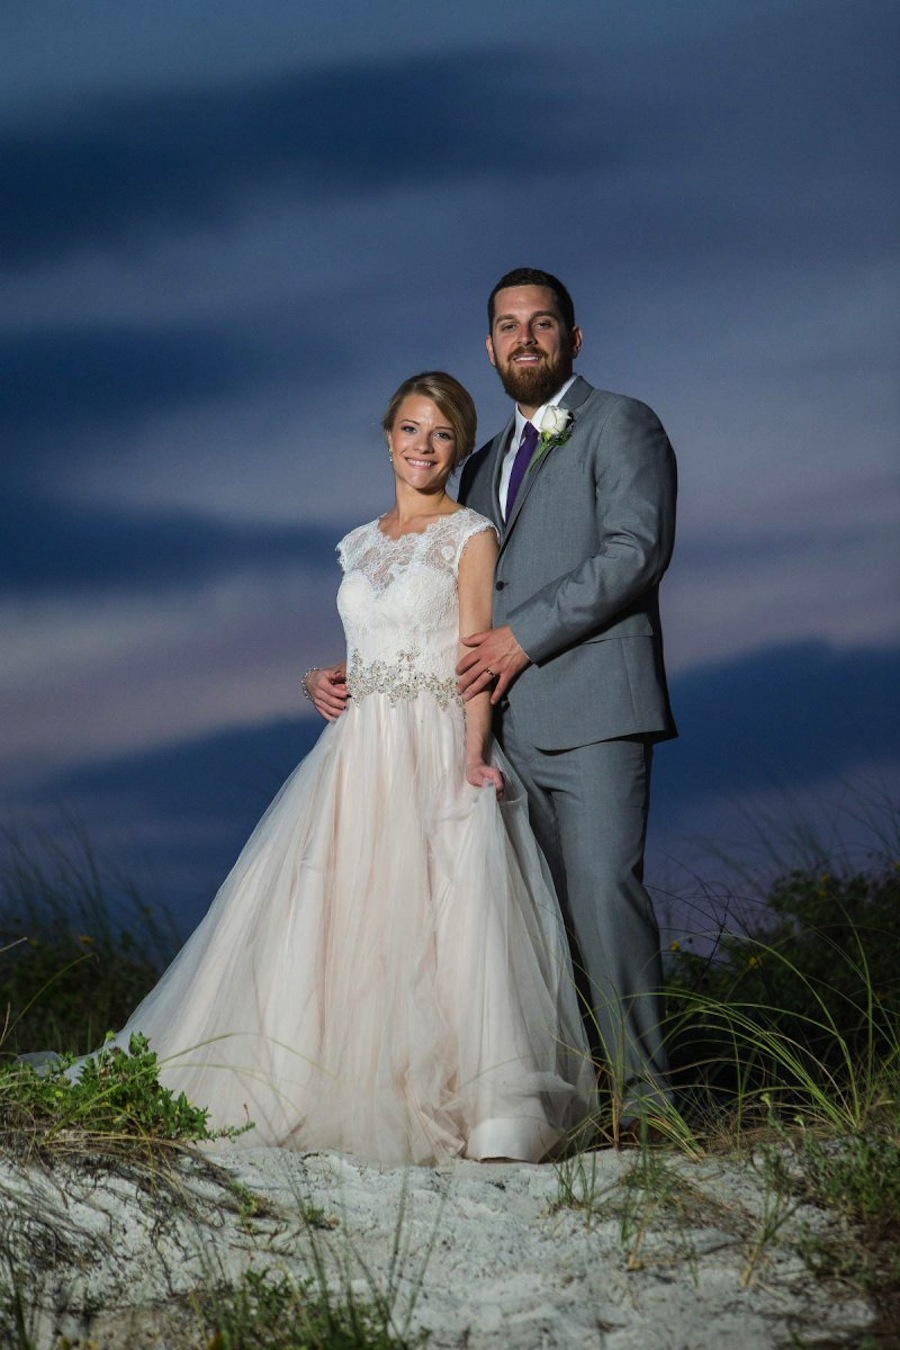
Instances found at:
x=555 y=421
x=556 y=428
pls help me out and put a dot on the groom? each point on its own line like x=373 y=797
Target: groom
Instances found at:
x=581 y=484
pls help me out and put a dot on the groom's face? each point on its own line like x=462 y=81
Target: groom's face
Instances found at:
x=529 y=345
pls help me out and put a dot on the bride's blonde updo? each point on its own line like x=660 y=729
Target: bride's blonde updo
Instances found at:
x=454 y=401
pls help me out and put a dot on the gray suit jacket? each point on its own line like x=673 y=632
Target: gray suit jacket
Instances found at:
x=581 y=557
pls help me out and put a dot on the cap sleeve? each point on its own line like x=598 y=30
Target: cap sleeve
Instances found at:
x=471 y=525
x=349 y=547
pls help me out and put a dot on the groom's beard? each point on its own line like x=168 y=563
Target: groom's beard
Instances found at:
x=534 y=385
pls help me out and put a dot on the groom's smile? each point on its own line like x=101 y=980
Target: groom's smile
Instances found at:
x=529 y=345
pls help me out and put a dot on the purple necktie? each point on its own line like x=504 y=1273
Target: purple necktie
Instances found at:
x=520 y=464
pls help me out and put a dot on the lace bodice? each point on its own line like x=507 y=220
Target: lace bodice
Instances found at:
x=399 y=605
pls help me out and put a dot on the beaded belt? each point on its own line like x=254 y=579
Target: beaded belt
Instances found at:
x=404 y=680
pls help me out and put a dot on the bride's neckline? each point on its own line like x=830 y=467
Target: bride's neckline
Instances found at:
x=415 y=534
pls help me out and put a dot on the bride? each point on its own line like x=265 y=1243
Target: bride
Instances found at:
x=384 y=971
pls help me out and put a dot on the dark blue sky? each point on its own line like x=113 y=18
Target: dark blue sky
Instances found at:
x=228 y=232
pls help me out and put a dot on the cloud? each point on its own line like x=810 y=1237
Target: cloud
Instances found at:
x=787 y=716
x=225 y=248
x=781 y=725
x=55 y=548
x=61 y=385
x=151 y=163
x=759 y=129
x=171 y=821
x=90 y=675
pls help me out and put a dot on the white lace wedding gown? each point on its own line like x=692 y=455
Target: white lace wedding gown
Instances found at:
x=384 y=971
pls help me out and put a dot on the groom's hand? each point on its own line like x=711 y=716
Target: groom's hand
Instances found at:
x=495 y=655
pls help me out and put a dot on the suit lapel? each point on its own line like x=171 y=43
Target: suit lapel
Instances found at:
x=494 y=468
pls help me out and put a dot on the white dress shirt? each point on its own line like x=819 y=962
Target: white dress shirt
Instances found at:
x=516 y=438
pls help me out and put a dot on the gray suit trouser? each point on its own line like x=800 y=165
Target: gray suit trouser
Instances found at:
x=588 y=809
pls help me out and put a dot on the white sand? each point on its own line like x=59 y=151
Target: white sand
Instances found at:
x=480 y=1255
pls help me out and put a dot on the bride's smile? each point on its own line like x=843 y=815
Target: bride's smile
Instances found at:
x=422 y=445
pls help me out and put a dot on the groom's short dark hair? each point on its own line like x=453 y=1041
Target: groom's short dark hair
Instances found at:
x=532 y=276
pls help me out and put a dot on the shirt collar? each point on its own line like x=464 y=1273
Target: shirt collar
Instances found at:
x=538 y=417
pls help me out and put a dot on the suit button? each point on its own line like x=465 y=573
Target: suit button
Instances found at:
x=500 y=585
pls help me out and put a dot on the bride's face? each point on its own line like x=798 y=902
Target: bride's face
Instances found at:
x=422 y=444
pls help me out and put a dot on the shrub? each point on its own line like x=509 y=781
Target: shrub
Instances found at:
x=116 y=1094
x=810 y=992
x=78 y=948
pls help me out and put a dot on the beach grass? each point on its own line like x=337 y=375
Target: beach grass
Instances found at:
x=79 y=948
x=785 y=1042
x=78 y=951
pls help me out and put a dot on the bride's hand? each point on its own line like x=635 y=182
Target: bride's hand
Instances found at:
x=327 y=690
x=485 y=775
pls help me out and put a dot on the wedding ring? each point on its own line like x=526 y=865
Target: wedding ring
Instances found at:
x=492 y=674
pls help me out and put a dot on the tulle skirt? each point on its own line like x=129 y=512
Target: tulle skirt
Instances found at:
x=384 y=971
